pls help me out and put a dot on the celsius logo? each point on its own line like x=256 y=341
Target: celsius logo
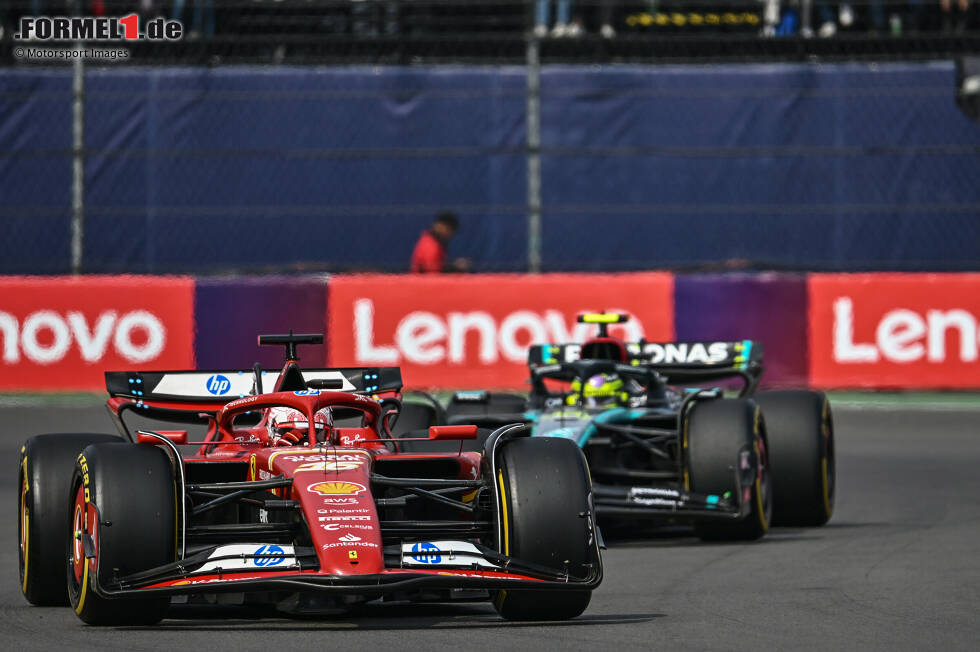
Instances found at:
x=426 y=553
x=218 y=385
x=269 y=561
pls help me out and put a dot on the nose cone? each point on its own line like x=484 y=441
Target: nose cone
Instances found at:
x=334 y=491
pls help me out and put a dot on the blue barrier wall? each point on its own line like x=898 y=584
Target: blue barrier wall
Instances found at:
x=35 y=171
x=190 y=169
x=848 y=166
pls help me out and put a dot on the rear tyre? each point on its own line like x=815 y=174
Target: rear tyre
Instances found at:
x=718 y=434
x=545 y=490
x=123 y=511
x=44 y=478
x=800 y=433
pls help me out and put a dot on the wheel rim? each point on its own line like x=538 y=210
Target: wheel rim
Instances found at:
x=23 y=532
x=78 y=528
x=764 y=488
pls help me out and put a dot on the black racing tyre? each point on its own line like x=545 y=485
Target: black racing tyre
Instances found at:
x=545 y=490
x=124 y=503
x=44 y=476
x=800 y=434
x=716 y=434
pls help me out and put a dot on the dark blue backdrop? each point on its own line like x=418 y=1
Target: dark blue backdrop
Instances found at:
x=203 y=169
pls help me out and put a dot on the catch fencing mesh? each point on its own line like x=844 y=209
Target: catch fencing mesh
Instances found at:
x=324 y=135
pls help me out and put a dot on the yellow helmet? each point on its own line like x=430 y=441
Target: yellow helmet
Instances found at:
x=599 y=390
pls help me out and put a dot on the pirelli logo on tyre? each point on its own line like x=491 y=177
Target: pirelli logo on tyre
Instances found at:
x=83 y=465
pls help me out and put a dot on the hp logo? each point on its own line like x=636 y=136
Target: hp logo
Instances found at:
x=217 y=385
x=426 y=553
x=269 y=561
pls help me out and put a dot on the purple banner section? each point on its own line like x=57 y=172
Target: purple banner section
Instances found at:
x=769 y=308
x=232 y=312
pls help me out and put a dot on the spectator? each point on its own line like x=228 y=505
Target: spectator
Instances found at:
x=563 y=19
x=202 y=17
x=950 y=7
x=828 y=20
x=606 y=19
x=429 y=256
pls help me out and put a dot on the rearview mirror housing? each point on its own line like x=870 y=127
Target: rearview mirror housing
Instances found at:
x=448 y=433
x=176 y=436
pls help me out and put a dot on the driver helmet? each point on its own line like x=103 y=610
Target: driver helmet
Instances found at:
x=601 y=390
x=285 y=422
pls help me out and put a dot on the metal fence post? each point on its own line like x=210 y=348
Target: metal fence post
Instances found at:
x=533 y=154
x=78 y=161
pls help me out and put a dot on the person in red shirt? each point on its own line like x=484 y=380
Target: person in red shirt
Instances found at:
x=429 y=255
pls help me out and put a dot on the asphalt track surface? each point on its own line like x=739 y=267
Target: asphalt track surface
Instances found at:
x=897 y=568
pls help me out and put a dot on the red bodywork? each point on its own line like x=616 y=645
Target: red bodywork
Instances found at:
x=331 y=481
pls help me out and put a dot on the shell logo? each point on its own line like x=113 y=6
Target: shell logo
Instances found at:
x=336 y=488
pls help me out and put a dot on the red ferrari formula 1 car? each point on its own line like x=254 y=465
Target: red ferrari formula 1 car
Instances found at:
x=298 y=497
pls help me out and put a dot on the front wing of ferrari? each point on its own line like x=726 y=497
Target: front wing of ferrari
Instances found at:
x=420 y=565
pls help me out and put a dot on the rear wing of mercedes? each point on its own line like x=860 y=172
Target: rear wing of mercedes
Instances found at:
x=677 y=362
x=223 y=385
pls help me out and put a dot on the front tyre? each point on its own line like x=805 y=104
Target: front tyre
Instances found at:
x=544 y=487
x=123 y=520
x=44 y=476
x=721 y=436
x=800 y=431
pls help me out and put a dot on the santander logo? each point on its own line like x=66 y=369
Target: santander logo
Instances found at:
x=459 y=337
x=904 y=336
x=46 y=336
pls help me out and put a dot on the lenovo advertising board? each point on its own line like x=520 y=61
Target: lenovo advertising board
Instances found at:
x=894 y=330
x=458 y=331
x=62 y=333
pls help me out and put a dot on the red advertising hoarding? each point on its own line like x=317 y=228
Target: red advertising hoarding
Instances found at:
x=458 y=331
x=894 y=330
x=62 y=333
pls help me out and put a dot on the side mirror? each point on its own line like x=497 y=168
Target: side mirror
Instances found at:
x=449 y=433
x=176 y=436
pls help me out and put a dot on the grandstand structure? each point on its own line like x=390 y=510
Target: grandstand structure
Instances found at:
x=497 y=31
x=567 y=136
